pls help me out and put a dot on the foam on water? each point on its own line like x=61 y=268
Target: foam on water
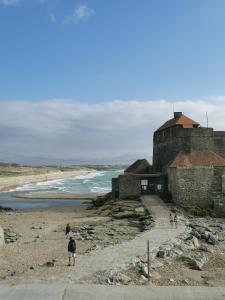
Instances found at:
x=89 y=175
x=44 y=185
x=95 y=182
x=97 y=189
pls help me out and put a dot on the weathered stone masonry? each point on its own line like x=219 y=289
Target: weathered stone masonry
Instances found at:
x=191 y=185
x=188 y=161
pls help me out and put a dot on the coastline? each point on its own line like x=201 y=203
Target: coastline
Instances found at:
x=57 y=196
x=7 y=183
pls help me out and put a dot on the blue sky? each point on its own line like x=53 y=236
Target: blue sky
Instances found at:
x=91 y=80
x=116 y=49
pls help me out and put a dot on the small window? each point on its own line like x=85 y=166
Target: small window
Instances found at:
x=159 y=187
x=144 y=182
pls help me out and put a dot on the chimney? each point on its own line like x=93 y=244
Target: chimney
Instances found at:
x=177 y=114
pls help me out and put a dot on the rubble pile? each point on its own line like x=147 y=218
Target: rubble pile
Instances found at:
x=126 y=218
x=190 y=248
x=10 y=236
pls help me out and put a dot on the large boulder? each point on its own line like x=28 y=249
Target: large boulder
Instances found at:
x=205 y=248
x=2 y=240
x=124 y=214
x=195 y=242
x=112 y=278
x=196 y=261
x=101 y=200
x=212 y=240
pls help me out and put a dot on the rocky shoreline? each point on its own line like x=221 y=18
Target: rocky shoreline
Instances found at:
x=195 y=257
x=126 y=219
x=93 y=227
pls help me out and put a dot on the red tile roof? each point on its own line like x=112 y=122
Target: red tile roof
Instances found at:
x=180 y=119
x=198 y=158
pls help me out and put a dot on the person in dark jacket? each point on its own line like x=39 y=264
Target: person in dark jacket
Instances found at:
x=72 y=251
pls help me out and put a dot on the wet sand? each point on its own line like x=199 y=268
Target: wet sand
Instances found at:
x=56 y=196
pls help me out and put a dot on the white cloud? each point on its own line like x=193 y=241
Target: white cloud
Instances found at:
x=81 y=13
x=9 y=2
x=15 y=2
x=110 y=131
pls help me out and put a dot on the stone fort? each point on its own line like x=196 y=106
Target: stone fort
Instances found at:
x=188 y=163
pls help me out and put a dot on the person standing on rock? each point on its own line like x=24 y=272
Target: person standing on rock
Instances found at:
x=71 y=251
x=175 y=220
x=68 y=229
x=171 y=220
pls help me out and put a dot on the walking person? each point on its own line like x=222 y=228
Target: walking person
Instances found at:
x=175 y=220
x=68 y=229
x=171 y=220
x=71 y=251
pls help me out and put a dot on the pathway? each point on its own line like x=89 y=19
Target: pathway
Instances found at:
x=96 y=292
x=118 y=256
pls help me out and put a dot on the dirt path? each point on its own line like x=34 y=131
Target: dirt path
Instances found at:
x=118 y=256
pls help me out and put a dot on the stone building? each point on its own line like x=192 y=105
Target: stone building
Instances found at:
x=138 y=179
x=188 y=162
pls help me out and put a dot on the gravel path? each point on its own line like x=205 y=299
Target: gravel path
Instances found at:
x=116 y=257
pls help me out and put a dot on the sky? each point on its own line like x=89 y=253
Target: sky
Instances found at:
x=90 y=81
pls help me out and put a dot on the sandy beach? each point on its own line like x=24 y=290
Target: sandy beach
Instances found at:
x=7 y=183
x=38 y=234
x=36 y=245
x=41 y=239
x=107 y=238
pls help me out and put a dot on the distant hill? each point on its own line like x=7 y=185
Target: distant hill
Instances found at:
x=14 y=169
x=106 y=167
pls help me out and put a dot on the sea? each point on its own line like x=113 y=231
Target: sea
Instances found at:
x=98 y=182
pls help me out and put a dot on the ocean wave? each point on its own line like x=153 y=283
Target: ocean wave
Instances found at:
x=98 y=189
x=90 y=175
x=50 y=182
x=96 y=182
x=26 y=187
x=38 y=185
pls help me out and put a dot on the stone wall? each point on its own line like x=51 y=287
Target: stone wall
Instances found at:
x=170 y=141
x=223 y=183
x=218 y=199
x=115 y=187
x=217 y=185
x=129 y=186
x=219 y=204
x=192 y=186
x=219 y=142
x=158 y=181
